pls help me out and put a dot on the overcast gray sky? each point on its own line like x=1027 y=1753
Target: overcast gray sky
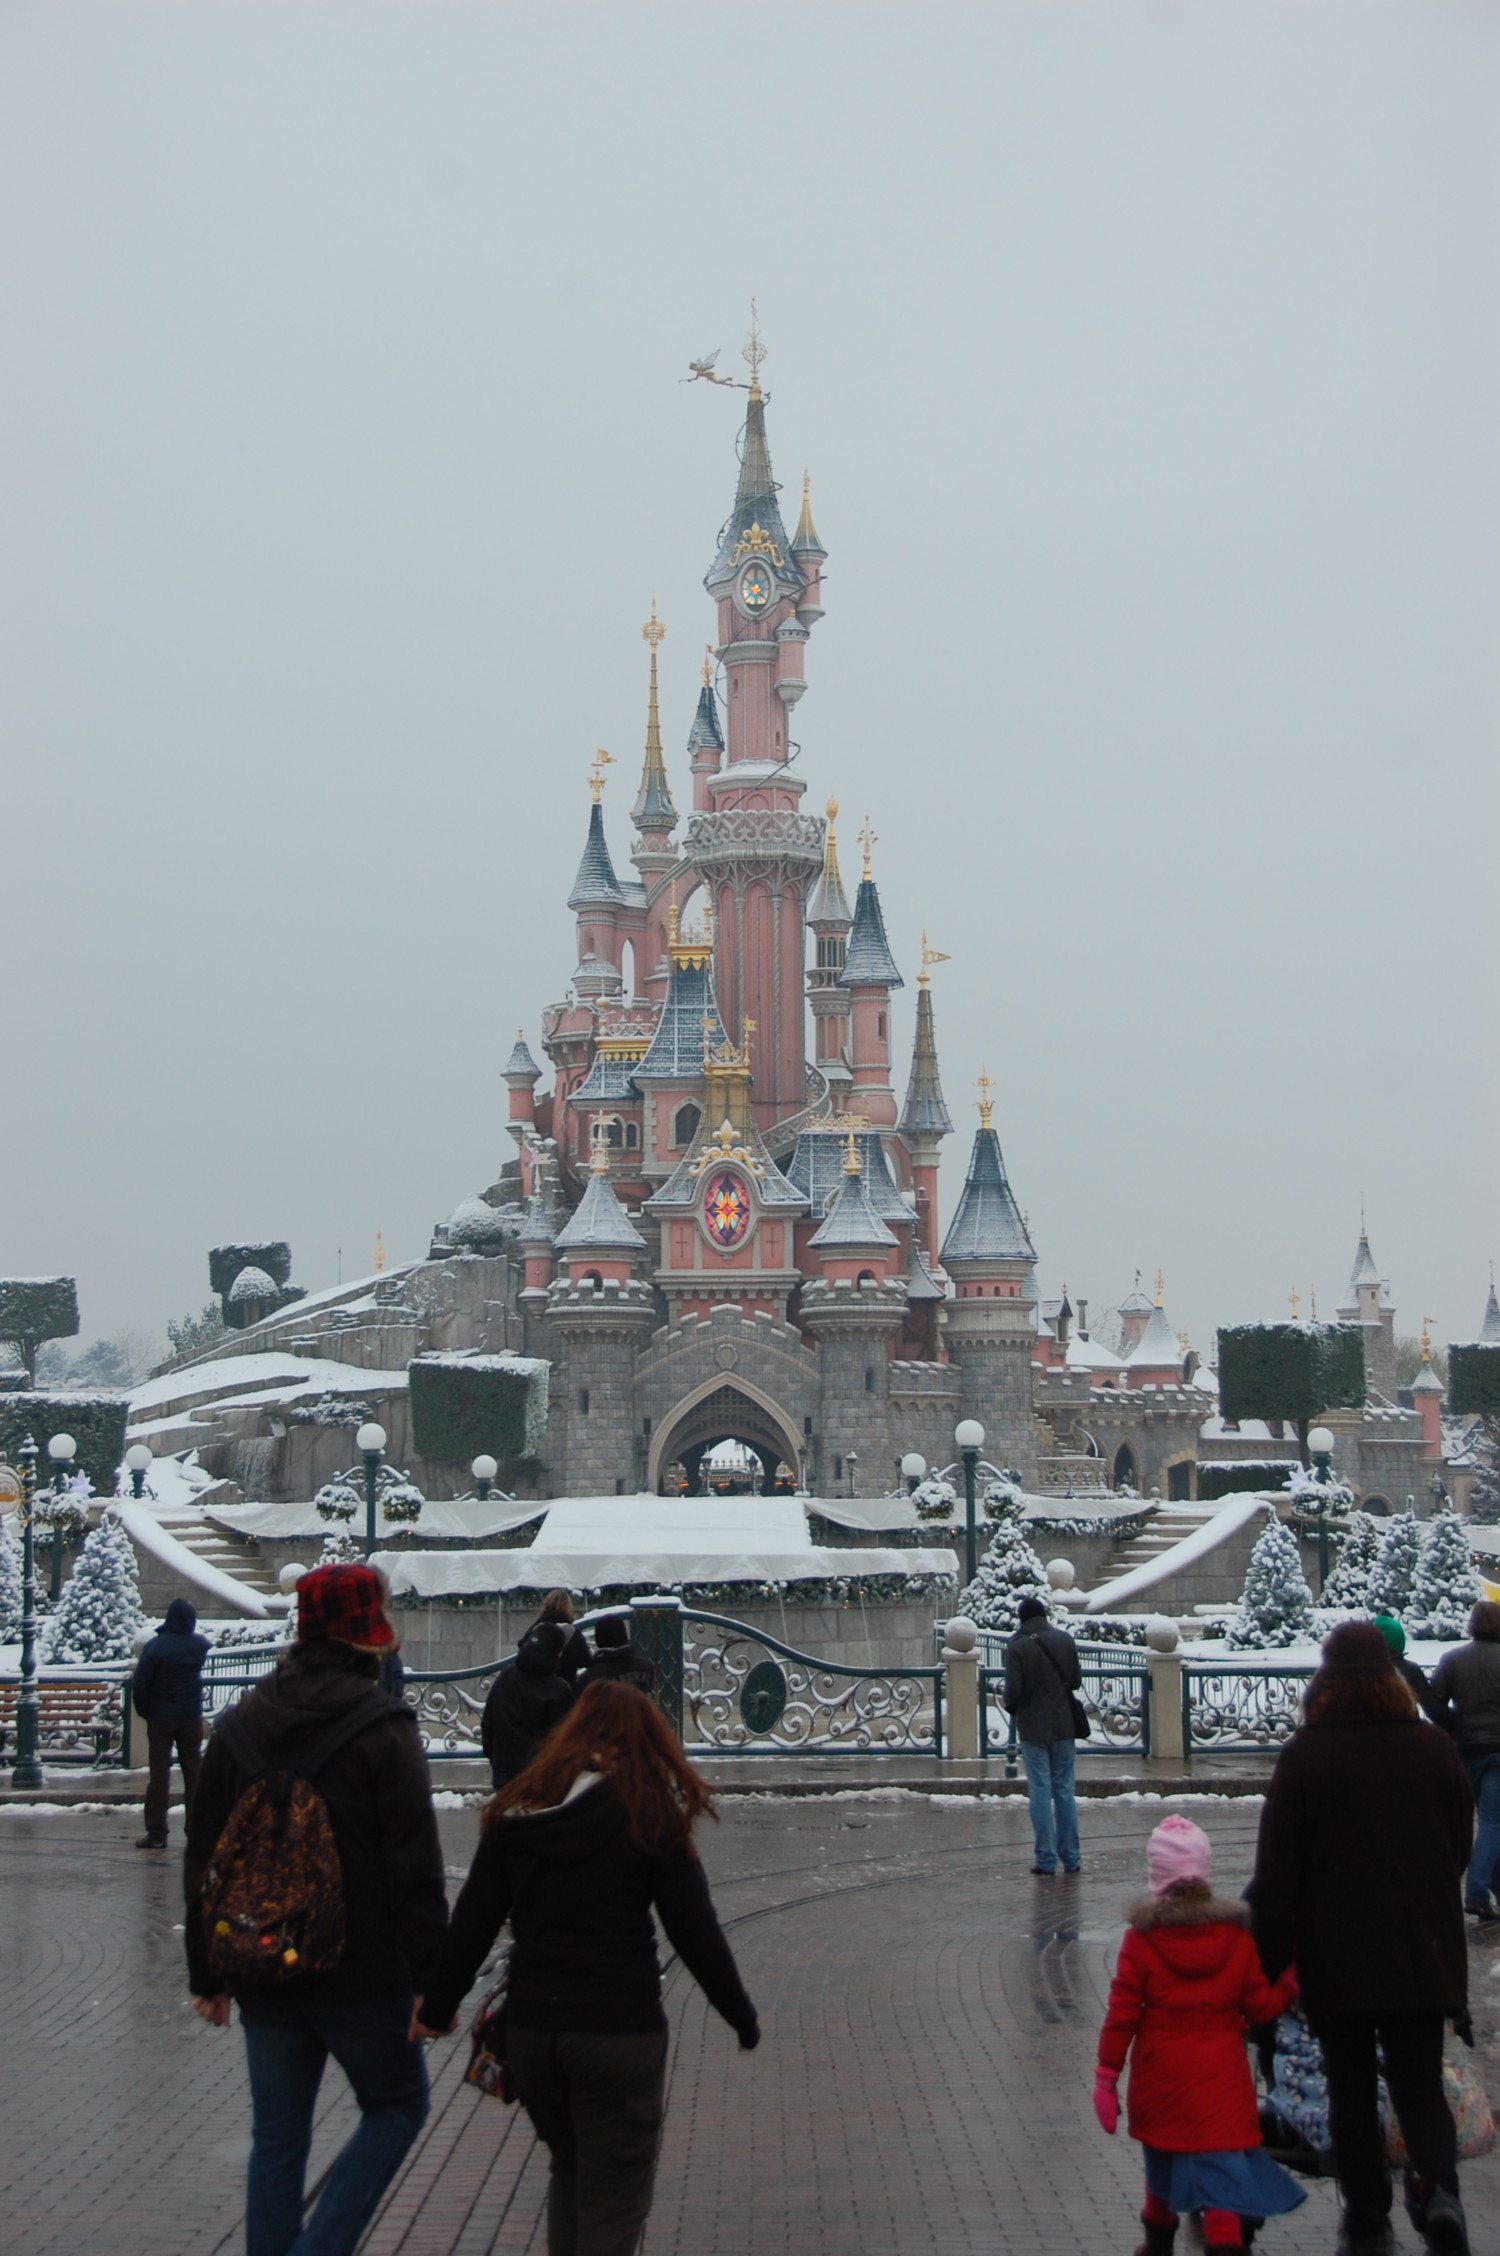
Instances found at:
x=1145 y=358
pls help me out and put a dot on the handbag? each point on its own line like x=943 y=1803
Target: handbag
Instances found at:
x=489 y=2069
x=1082 y=1728
x=1467 y=2103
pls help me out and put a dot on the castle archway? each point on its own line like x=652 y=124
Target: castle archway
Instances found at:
x=723 y=1410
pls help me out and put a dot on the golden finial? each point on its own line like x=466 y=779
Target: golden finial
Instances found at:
x=931 y=956
x=653 y=631
x=869 y=841
x=1426 y=1339
x=1161 y=1285
x=747 y=1028
x=851 y=1154
x=832 y=812
x=708 y=665
x=602 y=760
x=1294 y=1303
x=379 y=1253
x=1312 y=1302
x=599 y=1159
x=806 y=486
x=673 y=918
x=755 y=352
x=986 y=1103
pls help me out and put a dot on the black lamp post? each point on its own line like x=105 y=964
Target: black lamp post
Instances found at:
x=969 y=1435
x=1320 y=1447
x=28 y=1767
x=484 y=1470
x=370 y=1442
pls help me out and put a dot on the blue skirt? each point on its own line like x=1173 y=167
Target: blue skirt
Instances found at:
x=1247 y=2183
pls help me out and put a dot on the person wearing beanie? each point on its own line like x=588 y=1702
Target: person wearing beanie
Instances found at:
x=616 y=1659
x=525 y=1701
x=1359 y=1868
x=1415 y=1678
x=1187 y=1986
x=378 y=1797
x=1466 y=1691
x=1041 y=1674
x=167 y=1694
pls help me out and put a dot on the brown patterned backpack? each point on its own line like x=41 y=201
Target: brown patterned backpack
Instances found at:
x=272 y=1903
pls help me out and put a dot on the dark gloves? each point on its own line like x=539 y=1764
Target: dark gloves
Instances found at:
x=1463 y=2027
x=749 y=2036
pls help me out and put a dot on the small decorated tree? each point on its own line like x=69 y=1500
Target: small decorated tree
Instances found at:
x=99 y=1611
x=1276 y=1606
x=10 y=1584
x=339 y=1549
x=1395 y=1570
x=1359 y=1547
x=1011 y=1571
x=1446 y=1586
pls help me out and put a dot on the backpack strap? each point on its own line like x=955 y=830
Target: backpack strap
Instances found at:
x=372 y=1709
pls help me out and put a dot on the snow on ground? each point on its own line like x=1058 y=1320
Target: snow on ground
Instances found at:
x=241 y=1374
x=147 y=1533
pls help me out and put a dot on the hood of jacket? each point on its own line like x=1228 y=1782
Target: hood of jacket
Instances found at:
x=589 y=1817
x=180 y=1618
x=1193 y=1935
x=306 y=1691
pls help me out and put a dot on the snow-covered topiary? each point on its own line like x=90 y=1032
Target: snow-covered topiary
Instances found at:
x=1011 y=1571
x=934 y=1498
x=475 y=1227
x=1484 y=1495
x=10 y=1585
x=1359 y=1546
x=1446 y=1586
x=1395 y=1569
x=1275 y=1605
x=99 y=1611
x=1332 y=1499
x=339 y=1550
x=1004 y=1499
x=252 y=1287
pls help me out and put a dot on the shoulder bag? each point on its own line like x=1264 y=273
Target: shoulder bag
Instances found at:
x=1082 y=1728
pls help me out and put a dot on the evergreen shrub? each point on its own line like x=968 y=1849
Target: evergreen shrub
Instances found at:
x=1294 y=1371
x=466 y=1406
x=1473 y=1378
x=1245 y=1473
x=96 y=1421
x=226 y=1261
x=34 y=1310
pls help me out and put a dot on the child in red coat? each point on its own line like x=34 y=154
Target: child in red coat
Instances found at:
x=1187 y=1985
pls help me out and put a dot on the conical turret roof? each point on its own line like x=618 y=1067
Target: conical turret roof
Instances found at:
x=596 y=885
x=1364 y=1271
x=521 y=1065
x=828 y=903
x=676 y=1052
x=805 y=541
x=987 y=1225
x=1158 y=1347
x=754 y=524
x=868 y=961
x=705 y=732
x=653 y=809
x=1489 y=1330
x=925 y=1113
x=851 y=1220
x=599 y=1224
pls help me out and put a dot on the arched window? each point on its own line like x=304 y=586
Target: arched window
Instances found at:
x=1127 y=1472
x=866 y=1277
x=632 y=1136
x=685 y=1125
x=595 y=1283
x=614 y=1133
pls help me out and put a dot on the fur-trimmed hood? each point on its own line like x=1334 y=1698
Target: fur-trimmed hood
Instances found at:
x=1179 y=1910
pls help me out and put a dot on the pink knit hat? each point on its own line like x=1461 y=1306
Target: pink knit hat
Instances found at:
x=1177 y=1850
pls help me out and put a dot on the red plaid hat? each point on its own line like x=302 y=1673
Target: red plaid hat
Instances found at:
x=346 y=1604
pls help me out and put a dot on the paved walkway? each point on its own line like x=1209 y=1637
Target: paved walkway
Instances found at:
x=922 y=2090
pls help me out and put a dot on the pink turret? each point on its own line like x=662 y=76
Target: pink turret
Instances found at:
x=521 y=1076
x=869 y=976
x=1427 y=1401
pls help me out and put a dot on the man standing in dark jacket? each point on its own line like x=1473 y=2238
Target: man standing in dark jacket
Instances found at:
x=1363 y=1842
x=379 y=1802
x=167 y=1691
x=525 y=1701
x=1041 y=1669
x=616 y=1660
x=1466 y=1687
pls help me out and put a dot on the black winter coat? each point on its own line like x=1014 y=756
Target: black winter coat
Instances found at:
x=1466 y=1686
x=168 y=1683
x=621 y=1664
x=1041 y=1669
x=524 y=1702
x=579 y=1900
x=1364 y=1838
x=379 y=1801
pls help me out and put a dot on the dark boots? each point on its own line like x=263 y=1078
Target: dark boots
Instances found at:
x=1438 y=2216
x=1158 y=2241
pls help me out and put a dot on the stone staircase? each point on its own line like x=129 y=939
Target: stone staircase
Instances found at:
x=1169 y=1524
x=230 y=1554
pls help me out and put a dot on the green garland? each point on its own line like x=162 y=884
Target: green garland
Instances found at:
x=817 y=1590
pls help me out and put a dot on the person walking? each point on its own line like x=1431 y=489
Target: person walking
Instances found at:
x=557 y=1607
x=524 y=1702
x=1187 y=1986
x=1364 y=1837
x=1466 y=1692
x=577 y=1852
x=616 y=1659
x=378 y=1799
x=1414 y=1678
x=167 y=1694
x=1041 y=1670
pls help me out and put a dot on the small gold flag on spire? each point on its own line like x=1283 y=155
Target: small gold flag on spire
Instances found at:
x=930 y=956
x=601 y=761
x=986 y=1105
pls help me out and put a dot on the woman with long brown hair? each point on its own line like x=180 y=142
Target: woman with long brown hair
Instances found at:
x=575 y=1852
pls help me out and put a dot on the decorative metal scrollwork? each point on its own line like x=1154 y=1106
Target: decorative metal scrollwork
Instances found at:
x=741 y=1691
x=1229 y=1708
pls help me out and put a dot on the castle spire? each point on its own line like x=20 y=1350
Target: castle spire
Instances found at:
x=828 y=904
x=754 y=526
x=925 y=1113
x=987 y=1226
x=868 y=961
x=1489 y=1330
x=653 y=811
x=596 y=885
x=805 y=541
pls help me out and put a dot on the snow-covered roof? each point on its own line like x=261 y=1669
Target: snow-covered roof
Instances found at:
x=987 y=1224
x=868 y=961
x=520 y=1065
x=1088 y=1355
x=851 y=1220
x=599 y=1224
x=596 y=885
x=285 y=1376
x=817 y=1165
x=1489 y=1330
x=676 y=1052
x=1158 y=1347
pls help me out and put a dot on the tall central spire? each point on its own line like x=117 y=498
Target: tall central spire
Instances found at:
x=653 y=813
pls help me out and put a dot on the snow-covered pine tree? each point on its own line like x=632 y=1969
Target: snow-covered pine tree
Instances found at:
x=10 y=1585
x=1446 y=1586
x=1275 y=1605
x=99 y=1611
x=1395 y=1568
x=1010 y=1571
x=1349 y=1584
x=340 y=1550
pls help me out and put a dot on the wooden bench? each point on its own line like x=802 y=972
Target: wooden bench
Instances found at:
x=73 y=1720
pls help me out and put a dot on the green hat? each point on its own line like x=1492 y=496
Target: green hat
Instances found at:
x=1394 y=1635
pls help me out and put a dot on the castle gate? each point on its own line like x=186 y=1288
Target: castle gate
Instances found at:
x=723 y=1411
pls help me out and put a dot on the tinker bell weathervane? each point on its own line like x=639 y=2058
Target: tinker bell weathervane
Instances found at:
x=702 y=371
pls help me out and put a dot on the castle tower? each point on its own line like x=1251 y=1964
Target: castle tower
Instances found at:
x=521 y=1074
x=1489 y=1330
x=1157 y=1358
x=925 y=1119
x=671 y=1075
x=868 y=978
x=705 y=744
x=1367 y=1304
x=1427 y=1398
x=854 y=1312
x=757 y=851
x=654 y=815
x=596 y=899
x=992 y=1322
x=830 y=916
x=599 y=1313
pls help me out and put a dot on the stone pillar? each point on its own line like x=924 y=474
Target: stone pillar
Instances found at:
x=961 y=1690
x=1164 y=1666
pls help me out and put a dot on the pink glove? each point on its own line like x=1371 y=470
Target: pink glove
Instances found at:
x=1106 y=2100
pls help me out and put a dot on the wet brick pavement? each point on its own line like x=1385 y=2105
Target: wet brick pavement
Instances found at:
x=923 y=2088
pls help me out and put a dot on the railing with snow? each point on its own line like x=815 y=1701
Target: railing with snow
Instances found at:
x=728 y=1689
x=1116 y=1693
x=1235 y=1707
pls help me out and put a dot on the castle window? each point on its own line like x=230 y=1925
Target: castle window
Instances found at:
x=869 y=1379
x=632 y=1136
x=838 y=1468
x=881 y=1024
x=685 y=1125
x=583 y=1402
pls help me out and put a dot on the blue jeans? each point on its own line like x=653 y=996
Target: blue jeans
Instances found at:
x=1054 y=1811
x=287 y=2041
x=1484 y=1777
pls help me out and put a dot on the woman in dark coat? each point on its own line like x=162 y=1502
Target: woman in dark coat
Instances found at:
x=1364 y=1837
x=557 y=1607
x=525 y=1701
